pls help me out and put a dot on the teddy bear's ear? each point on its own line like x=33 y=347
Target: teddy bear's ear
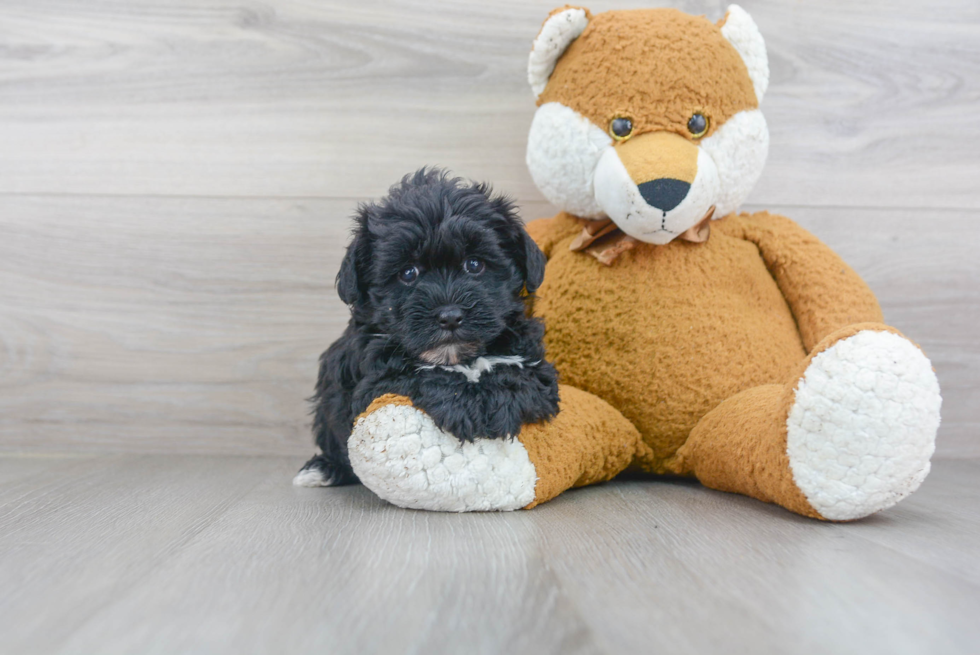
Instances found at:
x=562 y=27
x=740 y=30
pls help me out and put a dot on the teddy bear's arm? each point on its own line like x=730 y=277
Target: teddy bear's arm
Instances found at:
x=824 y=293
x=546 y=232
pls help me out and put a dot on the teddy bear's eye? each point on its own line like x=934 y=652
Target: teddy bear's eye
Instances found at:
x=408 y=275
x=697 y=125
x=620 y=128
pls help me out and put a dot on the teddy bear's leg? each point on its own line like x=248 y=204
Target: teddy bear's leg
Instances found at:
x=399 y=453
x=850 y=434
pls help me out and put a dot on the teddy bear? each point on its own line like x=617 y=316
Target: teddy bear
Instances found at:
x=691 y=339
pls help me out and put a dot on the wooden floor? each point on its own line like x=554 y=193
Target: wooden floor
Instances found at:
x=207 y=554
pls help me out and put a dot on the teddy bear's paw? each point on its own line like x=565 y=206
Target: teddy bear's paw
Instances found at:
x=398 y=453
x=863 y=425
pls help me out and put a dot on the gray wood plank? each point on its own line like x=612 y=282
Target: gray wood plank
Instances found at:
x=871 y=103
x=193 y=325
x=220 y=554
x=74 y=539
x=19 y=472
x=281 y=570
x=717 y=572
x=938 y=526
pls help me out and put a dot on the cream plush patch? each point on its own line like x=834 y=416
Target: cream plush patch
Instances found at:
x=399 y=454
x=738 y=149
x=863 y=425
x=563 y=150
x=558 y=31
x=741 y=31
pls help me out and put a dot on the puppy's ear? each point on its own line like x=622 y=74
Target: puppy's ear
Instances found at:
x=535 y=262
x=350 y=278
x=525 y=252
x=347 y=278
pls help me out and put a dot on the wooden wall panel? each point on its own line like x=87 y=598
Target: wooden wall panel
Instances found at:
x=176 y=177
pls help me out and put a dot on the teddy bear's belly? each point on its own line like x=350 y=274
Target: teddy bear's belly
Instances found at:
x=666 y=333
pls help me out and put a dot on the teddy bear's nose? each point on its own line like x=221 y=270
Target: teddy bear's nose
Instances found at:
x=664 y=193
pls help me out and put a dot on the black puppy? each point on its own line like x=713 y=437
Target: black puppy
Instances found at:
x=437 y=279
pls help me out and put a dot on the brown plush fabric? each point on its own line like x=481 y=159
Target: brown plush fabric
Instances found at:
x=654 y=66
x=740 y=446
x=667 y=333
x=587 y=442
x=812 y=277
x=655 y=155
x=546 y=232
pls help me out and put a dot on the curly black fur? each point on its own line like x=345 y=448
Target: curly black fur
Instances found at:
x=395 y=343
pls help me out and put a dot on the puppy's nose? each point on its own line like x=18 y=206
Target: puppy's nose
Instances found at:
x=449 y=317
x=664 y=193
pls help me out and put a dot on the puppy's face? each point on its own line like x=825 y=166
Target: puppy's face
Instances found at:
x=438 y=267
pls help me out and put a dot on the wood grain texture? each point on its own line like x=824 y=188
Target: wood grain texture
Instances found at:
x=193 y=325
x=176 y=177
x=164 y=554
x=871 y=103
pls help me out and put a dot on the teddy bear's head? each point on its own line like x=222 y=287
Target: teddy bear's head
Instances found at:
x=649 y=117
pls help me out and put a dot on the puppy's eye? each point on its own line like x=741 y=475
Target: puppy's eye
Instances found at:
x=697 y=125
x=409 y=274
x=620 y=128
x=473 y=266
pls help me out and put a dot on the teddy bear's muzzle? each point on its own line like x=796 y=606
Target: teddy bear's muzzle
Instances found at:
x=656 y=186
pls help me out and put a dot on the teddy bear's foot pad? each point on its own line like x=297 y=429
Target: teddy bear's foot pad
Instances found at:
x=398 y=453
x=863 y=425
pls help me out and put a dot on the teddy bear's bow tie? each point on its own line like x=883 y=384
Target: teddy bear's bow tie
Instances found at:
x=605 y=241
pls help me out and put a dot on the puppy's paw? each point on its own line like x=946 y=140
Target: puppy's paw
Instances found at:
x=321 y=472
x=398 y=452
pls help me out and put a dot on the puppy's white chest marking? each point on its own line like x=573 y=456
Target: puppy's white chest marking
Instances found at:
x=482 y=365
